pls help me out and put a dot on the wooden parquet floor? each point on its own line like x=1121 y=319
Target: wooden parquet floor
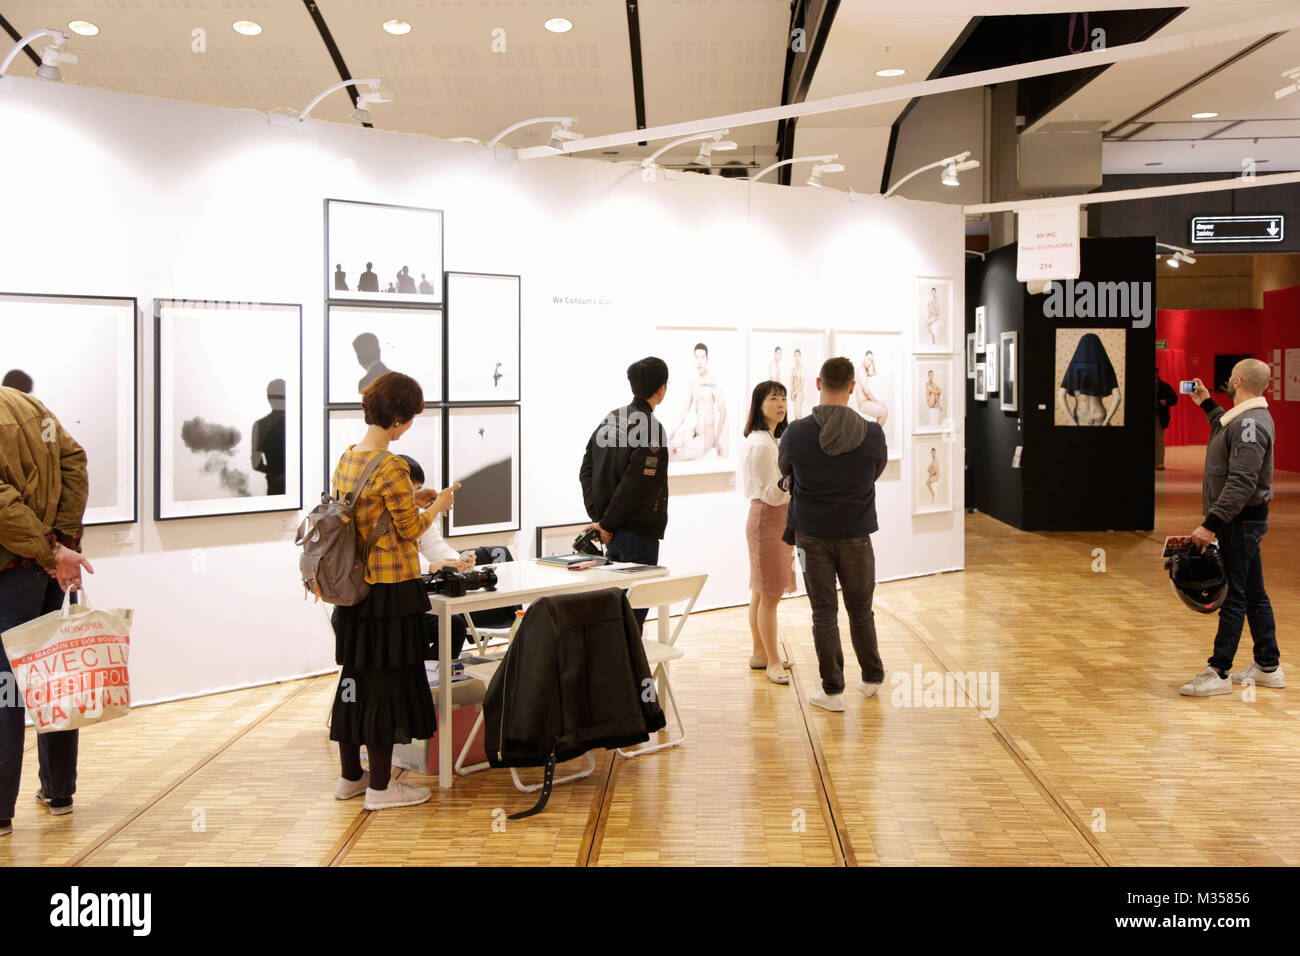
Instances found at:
x=1087 y=756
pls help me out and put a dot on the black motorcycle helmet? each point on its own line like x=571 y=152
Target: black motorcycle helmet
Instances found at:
x=1198 y=579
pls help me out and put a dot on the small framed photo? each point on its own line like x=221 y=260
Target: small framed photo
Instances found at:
x=483 y=353
x=483 y=455
x=380 y=253
x=363 y=342
x=1008 y=346
x=970 y=355
x=228 y=408
x=979 y=330
x=991 y=375
x=879 y=367
x=345 y=427
x=981 y=383
x=933 y=323
x=932 y=398
x=553 y=539
x=932 y=476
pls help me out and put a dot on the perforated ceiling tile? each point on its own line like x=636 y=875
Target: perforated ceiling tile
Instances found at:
x=695 y=53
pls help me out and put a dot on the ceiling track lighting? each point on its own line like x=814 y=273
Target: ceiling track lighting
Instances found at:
x=559 y=133
x=1179 y=254
x=952 y=165
x=815 y=177
x=51 y=56
x=828 y=158
x=361 y=114
x=711 y=141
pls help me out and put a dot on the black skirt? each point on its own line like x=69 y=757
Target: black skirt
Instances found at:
x=383 y=694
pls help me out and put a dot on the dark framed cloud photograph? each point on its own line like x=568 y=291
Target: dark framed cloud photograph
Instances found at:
x=380 y=253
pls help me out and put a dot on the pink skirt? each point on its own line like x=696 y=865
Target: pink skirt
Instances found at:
x=771 y=560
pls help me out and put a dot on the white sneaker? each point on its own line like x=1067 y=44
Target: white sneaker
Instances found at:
x=868 y=689
x=397 y=794
x=831 y=702
x=347 y=789
x=1261 y=678
x=1206 y=684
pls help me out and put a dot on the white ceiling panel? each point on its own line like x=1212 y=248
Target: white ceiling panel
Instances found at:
x=1243 y=90
x=1207 y=156
x=1265 y=128
x=1196 y=130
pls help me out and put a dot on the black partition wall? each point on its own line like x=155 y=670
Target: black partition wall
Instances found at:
x=1071 y=477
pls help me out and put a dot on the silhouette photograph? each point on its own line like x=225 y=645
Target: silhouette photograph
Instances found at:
x=482 y=337
x=385 y=247
x=364 y=343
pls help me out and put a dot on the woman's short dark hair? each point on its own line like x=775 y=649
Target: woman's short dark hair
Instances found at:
x=417 y=473
x=392 y=398
x=647 y=376
x=757 y=420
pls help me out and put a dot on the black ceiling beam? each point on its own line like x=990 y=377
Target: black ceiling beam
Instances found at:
x=9 y=29
x=333 y=49
x=814 y=18
x=638 y=76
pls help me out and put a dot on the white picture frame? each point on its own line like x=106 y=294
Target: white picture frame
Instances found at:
x=422 y=442
x=980 y=323
x=884 y=391
x=970 y=355
x=720 y=383
x=80 y=355
x=223 y=372
x=991 y=373
x=981 y=390
x=807 y=346
x=929 y=418
x=1008 y=347
x=483 y=337
x=483 y=455
x=932 y=494
x=933 y=325
x=372 y=246
x=404 y=340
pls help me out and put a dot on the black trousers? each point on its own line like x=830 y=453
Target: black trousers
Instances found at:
x=853 y=562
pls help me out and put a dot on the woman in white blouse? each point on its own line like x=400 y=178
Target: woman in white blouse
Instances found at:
x=771 y=561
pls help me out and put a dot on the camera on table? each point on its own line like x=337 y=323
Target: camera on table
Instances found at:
x=452 y=583
x=588 y=542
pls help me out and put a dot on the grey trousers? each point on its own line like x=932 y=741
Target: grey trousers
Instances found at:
x=853 y=562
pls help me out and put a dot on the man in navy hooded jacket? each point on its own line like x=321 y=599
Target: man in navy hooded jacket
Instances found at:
x=833 y=458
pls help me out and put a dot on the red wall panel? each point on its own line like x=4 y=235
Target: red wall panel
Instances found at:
x=1280 y=329
x=1201 y=334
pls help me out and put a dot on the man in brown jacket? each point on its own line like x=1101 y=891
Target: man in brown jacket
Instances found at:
x=43 y=490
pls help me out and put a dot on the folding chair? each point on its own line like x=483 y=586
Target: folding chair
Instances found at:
x=662 y=593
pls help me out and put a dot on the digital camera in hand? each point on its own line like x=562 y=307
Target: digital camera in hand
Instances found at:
x=452 y=583
x=588 y=542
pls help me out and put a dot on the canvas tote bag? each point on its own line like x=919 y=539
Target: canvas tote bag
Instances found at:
x=70 y=665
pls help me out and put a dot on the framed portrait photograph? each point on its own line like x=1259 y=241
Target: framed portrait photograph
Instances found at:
x=933 y=323
x=1008 y=345
x=792 y=357
x=345 y=427
x=1089 y=377
x=76 y=355
x=991 y=374
x=981 y=383
x=706 y=371
x=979 y=329
x=483 y=353
x=932 y=477
x=228 y=408
x=380 y=253
x=483 y=455
x=553 y=539
x=363 y=342
x=932 y=397
x=970 y=355
x=878 y=369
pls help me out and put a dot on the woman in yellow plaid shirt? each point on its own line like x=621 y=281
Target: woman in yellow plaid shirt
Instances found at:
x=383 y=695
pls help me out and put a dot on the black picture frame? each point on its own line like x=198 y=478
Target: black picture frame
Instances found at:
x=335 y=254
x=451 y=530
x=449 y=345
x=438 y=394
x=436 y=476
x=538 y=531
x=136 y=324
x=159 y=306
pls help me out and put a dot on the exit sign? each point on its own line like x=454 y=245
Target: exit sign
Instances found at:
x=1207 y=230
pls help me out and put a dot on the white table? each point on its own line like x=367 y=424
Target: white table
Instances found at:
x=518 y=582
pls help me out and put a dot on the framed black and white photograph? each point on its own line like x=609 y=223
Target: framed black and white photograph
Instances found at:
x=1008 y=346
x=970 y=355
x=345 y=427
x=981 y=383
x=483 y=353
x=77 y=356
x=932 y=398
x=380 y=253
x=933 y=323
x=364 y=342
x=483 y=455
x=979 y=329
x=879 y=368
x=228 y=419
x=553 y=539
x=991 y=374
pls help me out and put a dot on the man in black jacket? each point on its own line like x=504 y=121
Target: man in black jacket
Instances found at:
x=834 y=457
x=624 y=472
x=1166 y=398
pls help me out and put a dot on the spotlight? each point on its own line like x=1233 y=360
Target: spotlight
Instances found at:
x=83 y=28
x=952 y=165
x=815 y=178
x=1172 y=261
x=705 y=156
x=560 y=134
x=366 y=100
x=51 y=56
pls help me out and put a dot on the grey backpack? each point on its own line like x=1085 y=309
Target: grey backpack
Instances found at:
x=331 y=567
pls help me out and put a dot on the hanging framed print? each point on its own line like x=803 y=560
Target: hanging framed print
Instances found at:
x=706 y=368
x=483 y=455
x=931 y=395
x=422 y=442
x=380 y=253
x=878 y=372
x=77 y=356
x=981 y=383
x=979 y=329
x=228 y=408
x=1007 y=347
x=991 y=361
x=1089 y=377
x=483 y=352
x=970 y=355
x=931 y=474
x=792 y=357
x=363 y=342
x=933 y=321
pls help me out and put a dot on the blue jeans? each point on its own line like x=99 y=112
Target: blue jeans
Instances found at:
x=637 y=549
x=27 y=593
x=1247 y=600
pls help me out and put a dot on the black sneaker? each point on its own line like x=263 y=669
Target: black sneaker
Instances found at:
x=56 y=806
x=6 y=827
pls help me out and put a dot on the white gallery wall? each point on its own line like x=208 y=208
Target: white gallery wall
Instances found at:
x=112 y=194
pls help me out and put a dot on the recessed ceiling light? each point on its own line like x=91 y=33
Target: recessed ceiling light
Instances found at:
x=1204 y=115
x=558 y=25
x=397 y=28
x=247 y=27
x=890 y=72
x=83 y=28
x=1161 y=163
x=609 y=152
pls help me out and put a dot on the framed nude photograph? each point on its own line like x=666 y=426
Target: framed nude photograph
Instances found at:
x=879 y=368
x=933 y=323
x=931 y=395
x=932 y=475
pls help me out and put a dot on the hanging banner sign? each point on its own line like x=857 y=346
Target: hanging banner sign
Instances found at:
x=1048 y=244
